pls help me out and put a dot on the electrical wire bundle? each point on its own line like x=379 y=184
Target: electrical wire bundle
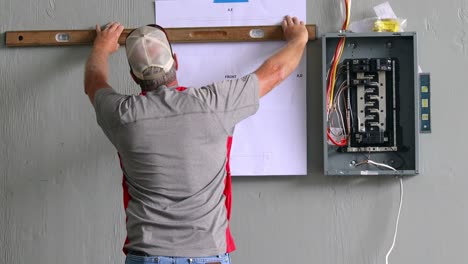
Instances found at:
x=334 y=99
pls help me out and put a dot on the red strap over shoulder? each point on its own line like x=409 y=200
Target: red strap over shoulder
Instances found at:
x=180 y=89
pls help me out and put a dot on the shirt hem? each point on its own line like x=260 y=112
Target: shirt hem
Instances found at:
x=196 y=253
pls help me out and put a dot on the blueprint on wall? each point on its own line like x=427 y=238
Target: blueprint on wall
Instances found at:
x=273 y=141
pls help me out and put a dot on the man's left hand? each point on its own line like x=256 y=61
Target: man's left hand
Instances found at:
x=107 y=39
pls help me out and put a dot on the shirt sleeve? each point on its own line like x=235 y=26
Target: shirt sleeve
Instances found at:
x=233 y=100
x=107 y=104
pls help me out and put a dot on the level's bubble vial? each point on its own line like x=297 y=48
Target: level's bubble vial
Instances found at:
x=257 y=33
x=62 y=37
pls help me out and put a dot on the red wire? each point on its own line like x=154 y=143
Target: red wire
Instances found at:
x=335 y=57
x=331 y=68
x=346 y=18
x=336 y=50
x=343 y=142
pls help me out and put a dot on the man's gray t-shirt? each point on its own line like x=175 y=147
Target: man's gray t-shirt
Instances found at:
x=174 y=145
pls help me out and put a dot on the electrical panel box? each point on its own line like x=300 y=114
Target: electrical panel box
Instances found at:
x=370 y=104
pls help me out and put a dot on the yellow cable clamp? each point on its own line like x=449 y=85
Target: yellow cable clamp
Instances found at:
x=386 y=25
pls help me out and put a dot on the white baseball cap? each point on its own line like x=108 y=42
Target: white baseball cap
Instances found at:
x=147 y=47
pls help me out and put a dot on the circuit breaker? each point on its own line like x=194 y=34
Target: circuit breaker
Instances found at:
x=370 y=104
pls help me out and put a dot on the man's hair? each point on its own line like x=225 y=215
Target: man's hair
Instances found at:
x=150 y=85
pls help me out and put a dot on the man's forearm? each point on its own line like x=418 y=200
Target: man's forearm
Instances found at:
x=279 y=66
x=96 y=70
x=289 y=56
x=97 y=66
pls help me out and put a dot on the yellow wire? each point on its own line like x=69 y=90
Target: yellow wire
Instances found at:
x=334 y=70
x=348 y=15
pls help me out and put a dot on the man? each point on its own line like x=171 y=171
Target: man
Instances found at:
x=174 y=142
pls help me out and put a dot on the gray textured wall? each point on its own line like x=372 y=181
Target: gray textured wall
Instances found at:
x=60 y=193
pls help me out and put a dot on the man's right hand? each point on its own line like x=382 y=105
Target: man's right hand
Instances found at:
x=294 y=29
x=107 y=40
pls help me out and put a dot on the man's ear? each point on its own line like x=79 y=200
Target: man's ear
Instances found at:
x=176 y=61
x=134 y=77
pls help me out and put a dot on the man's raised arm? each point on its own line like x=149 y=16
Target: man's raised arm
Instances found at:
x=279 y=66
x=97 y=67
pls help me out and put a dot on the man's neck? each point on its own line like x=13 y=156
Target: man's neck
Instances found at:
x=173 y=83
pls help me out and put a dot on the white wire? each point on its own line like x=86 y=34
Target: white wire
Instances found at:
x=380 y=165
x=336 y=107
x=335 y=102
x=368 y=161
x=397 y=221
x=342 y=123
x=340 y=92
x=339 y=130
x=336 y=111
